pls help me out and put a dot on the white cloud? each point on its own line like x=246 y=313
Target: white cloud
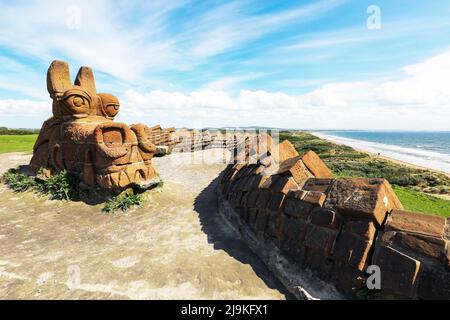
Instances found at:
x=229 y=83
x=417 y=99
x=25 y=108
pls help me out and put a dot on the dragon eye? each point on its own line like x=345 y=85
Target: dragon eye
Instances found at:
x=78 y=101
x=111 y=109
x=76 y=104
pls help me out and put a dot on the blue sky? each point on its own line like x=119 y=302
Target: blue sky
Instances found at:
x=296 y=64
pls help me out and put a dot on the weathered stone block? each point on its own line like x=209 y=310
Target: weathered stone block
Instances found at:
x=253 y=195
x=433 y=283
x=236 y=200
x=315 y=198
x=314 y=164
x=353 y=250
x=296 y=194
x=248 y=183
x=227 y=174
x=297 y=208
x=276 y=201
x=415 y=222
x=271 y=180
x=244 y=199
x=416 y=245
x=286 y=151
x=251 y=218
x=347 y=279
x=399 y=271
x=318 y=185
x=261 y=222
x=245 y=213
x=362 y=227
x=316 y=261
x=293 y=233
x=257 y=182
x=274 y=226
x=284 y=185
x=295 y=168
x=242 y=182
x=363 y=198
x=263 y=198
x=266 y=161
x=328 y=218
x=320 y=238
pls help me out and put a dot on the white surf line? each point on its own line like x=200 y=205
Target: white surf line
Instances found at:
x=428 y=159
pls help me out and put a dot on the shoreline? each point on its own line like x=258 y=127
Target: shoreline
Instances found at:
x=361 y=148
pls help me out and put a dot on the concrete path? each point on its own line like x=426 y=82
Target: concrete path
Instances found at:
x=173 y=247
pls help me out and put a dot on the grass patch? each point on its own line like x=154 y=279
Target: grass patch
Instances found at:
x=420 y=202
x=17 y=143
x=123 y=202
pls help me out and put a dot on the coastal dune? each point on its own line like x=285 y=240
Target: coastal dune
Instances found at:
x=423 y=159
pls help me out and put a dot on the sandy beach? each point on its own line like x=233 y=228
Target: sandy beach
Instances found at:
x=413 y=158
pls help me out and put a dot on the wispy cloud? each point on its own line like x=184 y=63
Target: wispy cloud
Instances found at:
x=242 y=62
x=227 y=27
x=135 y=42
x=230 y=83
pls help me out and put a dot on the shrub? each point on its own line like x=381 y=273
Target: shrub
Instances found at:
x=123 y=202
x=18 y=181
x=61 y=186
x=64 y=186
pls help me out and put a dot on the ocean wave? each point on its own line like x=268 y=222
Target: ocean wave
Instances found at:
x=420 y=157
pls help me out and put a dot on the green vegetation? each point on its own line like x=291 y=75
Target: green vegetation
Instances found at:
x=410 y=183
x=123 y=202
x=18 y=182
x=64 y=186
x=420 y=202
x=6 y=131
x=17 y=143
x=60 y=186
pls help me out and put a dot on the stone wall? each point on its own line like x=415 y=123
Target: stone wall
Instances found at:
x=184 y=140
x=336 y=228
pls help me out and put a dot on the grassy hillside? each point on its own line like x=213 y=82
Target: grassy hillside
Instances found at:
x=409 y=183
x=420 y=202
x=17 y=143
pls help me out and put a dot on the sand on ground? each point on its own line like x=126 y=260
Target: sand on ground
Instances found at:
x=173 y=247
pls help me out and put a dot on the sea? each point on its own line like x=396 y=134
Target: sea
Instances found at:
x=426 y=149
